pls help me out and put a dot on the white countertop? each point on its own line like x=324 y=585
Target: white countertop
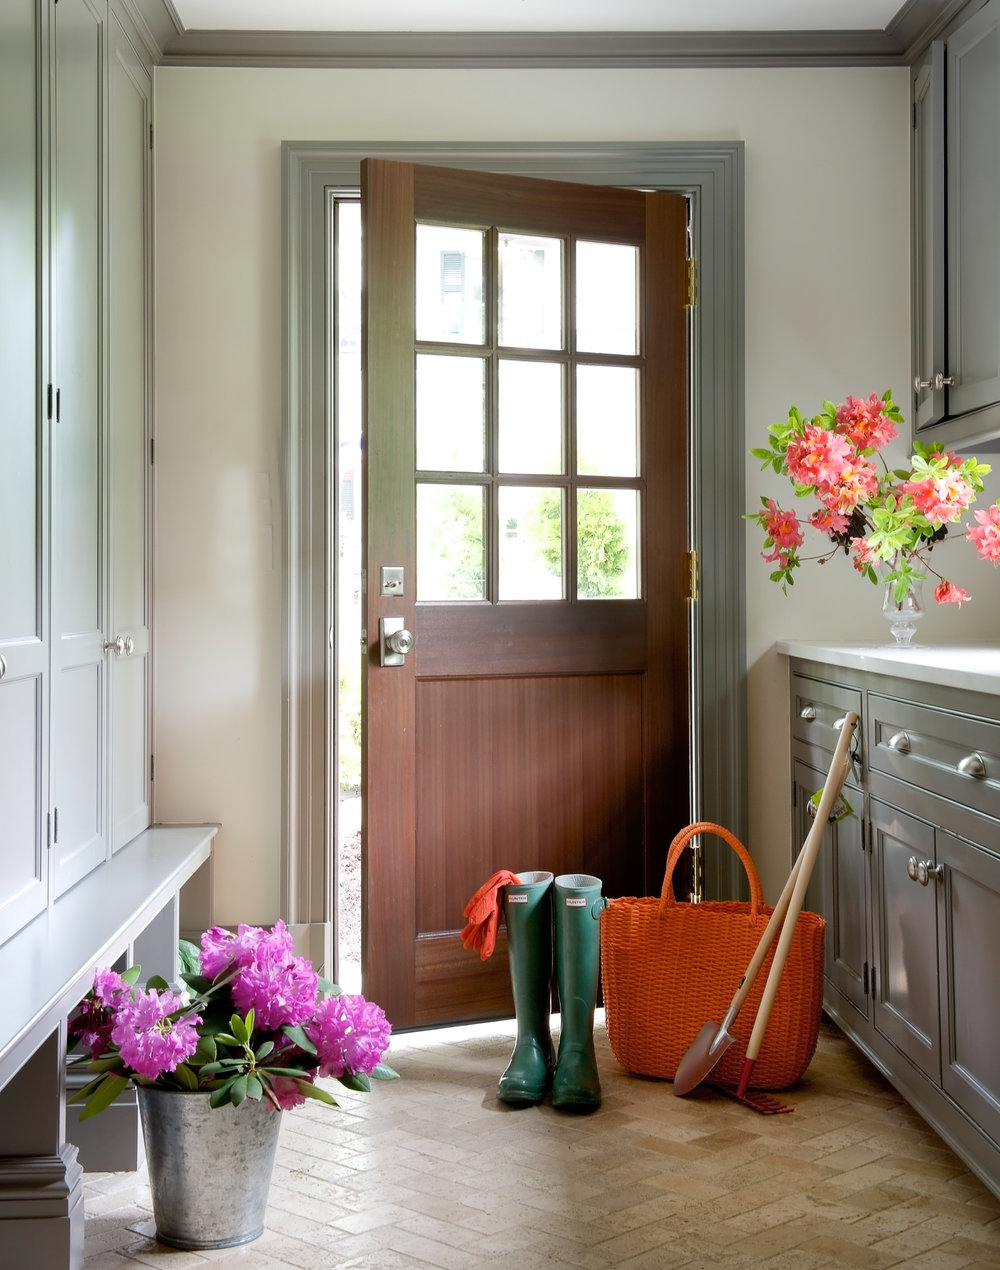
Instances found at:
x=971 y=666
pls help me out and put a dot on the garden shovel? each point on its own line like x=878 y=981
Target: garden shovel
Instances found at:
x=714 y=1039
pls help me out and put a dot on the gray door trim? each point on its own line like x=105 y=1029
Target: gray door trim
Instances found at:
x=712 y=176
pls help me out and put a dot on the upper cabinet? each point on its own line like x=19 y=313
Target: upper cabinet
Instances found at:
x=74 y=438
x=956 y=234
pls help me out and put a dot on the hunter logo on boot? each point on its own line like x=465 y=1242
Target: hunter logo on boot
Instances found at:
x=576 y=901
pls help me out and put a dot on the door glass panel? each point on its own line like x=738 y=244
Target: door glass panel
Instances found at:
x=531 y=291
x=607 y=544
x=451 y=559
x=530 y=414
x=451 y=420
x=450 y=284
x=607 y=298
x=531 y=543
x=607 y=420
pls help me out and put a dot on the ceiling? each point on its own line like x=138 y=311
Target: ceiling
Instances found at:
x=539 y=33
x=536 y=15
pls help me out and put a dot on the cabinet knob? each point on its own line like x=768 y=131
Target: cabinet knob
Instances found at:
x=973 y=765
x=121 y=646
x=807 y=712
x=3 y=665
x=937 y=382
x=899 y=742
x=923 y=870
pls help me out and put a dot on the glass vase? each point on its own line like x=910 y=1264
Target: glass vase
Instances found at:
x=903 y=615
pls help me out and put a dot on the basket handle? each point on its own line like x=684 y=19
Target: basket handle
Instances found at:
x=667 y=900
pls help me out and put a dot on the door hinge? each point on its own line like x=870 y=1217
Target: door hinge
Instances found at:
x=692 y=282
x=690 y=575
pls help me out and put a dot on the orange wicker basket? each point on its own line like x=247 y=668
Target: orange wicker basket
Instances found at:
x=667 y=968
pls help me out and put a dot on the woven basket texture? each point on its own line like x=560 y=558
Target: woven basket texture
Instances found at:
x=668 y=968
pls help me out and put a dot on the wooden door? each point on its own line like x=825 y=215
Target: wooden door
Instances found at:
x=525 y=479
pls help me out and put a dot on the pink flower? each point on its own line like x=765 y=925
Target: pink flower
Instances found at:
x=940 y=499
x=828 y=521
x=286 y=1093
x=948 y=593
x=781 y=526
x=855 y=481
x=817 y=457
x=220 y=947
x=350 y=1034
x=865 y=423
x=987 y=535
x=280 y=992
x=148 y=1040
x=864 y=553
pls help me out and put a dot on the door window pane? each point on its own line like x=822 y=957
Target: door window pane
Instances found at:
x=607 y=298
x=531 y=543
x=607 y=420
x=531 y=306
x=530 y=416
x=607 y=544
x=451 y=413
x=451 y=560
x=450 y=284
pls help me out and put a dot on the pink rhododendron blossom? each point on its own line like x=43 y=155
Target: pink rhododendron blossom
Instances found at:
x=856 y=481
x=148 y=1040
x=817 y=457
x=350 y=1034
x=108 y=986
x=286 y=1094
x=828 y=521
x=280 y=993
x=948 y=593
x=941 y=499
x=864 y=553
x=986 y=535
x=865 y=423
x=782 y=526
x=221 y=948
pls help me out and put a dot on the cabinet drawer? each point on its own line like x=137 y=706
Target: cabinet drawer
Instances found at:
x=954 y=755
x=818 y=708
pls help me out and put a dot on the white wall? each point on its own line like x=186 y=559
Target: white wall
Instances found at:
x=827 y=314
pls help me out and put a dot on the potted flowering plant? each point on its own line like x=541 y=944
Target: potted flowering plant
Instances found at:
x=252 y=1030
x=875 y=515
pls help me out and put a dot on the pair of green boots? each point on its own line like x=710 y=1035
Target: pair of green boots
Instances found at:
x=528 y=907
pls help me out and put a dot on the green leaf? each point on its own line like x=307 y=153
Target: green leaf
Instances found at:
x=131 y=976
x=356 y=1080
x=238 y=1089
x=264 y=1050
x=220 y=1095
x=109 y=1089
x=185 y=1077
x=384 y=1072
x=189 y=957
x=157 y=982
x=298 y=1037
x=309 y=1090
x=254 y=1088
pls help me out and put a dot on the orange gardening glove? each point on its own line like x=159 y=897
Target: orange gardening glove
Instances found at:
x=483 y=912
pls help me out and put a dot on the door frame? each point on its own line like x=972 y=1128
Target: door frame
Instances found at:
x=711 y=175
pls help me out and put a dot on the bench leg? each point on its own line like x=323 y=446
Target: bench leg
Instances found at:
x=41 y=1181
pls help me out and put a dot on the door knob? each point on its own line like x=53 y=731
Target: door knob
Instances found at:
x=121 y=646
x=394 y=641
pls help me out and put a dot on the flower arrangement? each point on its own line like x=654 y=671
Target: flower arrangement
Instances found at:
x=253 y=1021
x=874 y=514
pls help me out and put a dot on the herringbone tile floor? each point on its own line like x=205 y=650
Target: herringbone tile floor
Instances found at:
x=432 y=1172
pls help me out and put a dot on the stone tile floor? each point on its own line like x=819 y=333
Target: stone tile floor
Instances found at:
x=432 y=1172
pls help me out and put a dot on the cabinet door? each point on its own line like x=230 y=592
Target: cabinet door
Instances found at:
x=905 y=998
x=928 y=236
x=23 y=642
x=838 y=889
x=128 y=438
x=969 y=892
x=79 y=714
x=973 y=190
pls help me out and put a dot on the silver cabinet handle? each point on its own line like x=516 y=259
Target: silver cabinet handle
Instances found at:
x=121 y=646
x=807 y=712
x=3 y=665
x=973 y=765
x=899 y=742
x=923 y=870
x=937 y=382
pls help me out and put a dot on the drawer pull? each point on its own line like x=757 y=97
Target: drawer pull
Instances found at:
x=807 y=712
x=839 y=723
x=899 y=742
x=973 y=765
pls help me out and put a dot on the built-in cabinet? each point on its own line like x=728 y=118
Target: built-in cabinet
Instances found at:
x=955 y=232
x=75 y=97
x=909 y=881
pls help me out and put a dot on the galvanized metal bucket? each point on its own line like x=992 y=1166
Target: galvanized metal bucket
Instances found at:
x=209 y=1170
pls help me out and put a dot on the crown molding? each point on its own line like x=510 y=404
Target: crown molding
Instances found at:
x=906 y=37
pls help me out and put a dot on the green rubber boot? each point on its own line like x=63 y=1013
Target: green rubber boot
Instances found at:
x=576 y=1085
x=528 y=909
